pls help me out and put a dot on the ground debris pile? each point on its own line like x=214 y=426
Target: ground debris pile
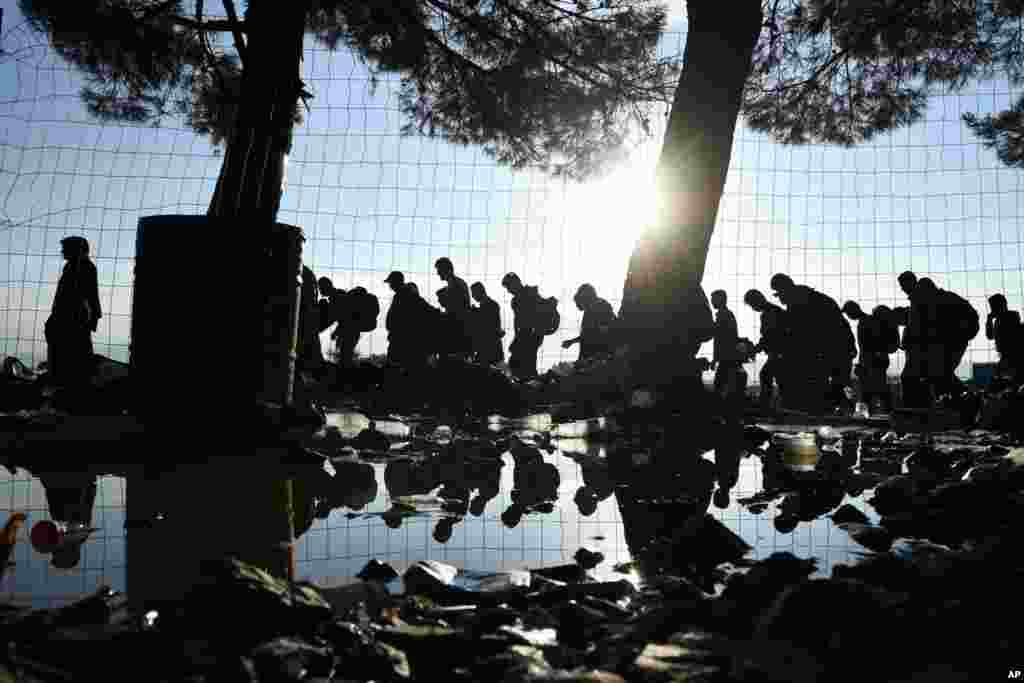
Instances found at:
x=939 y=571
x=755 y=621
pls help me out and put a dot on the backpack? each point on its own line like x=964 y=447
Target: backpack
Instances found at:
x=968 y=322
x=366 y=308
x=547 y=317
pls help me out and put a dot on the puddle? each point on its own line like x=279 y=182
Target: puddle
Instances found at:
x=530 y=508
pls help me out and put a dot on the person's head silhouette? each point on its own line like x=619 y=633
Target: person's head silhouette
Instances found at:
x=444 y=267
x=67 y=556
x=395 y=280
x=755 y=299
x=478 y=292
x=884 y=313
x=511 y=516
x=586 y=500
x=783 y=286
x=853 y=310
x=585 y=296
x=443 y=529
x=74 y=247
x=907 y=281
x=512 y=283
x=719 y=299
x=786 y=523
x=997 y=302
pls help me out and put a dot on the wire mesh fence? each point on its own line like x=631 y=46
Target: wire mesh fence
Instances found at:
x=847 y=221
x=927 y=198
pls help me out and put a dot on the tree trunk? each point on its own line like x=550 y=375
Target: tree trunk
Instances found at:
x=667 y=265
x=249 y=184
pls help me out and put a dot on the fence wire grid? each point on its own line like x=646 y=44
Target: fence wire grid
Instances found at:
x=927 y=198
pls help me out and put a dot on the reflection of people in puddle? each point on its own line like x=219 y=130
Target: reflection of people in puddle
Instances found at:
x=597 y=486
x=534 y=484
x=444 y=527
x=727 y=465
x=70 y=497
x=354 y=486
x=807 y=505
x=393 y=517
x=464 y=468
x=406 y=477
x=487 y=491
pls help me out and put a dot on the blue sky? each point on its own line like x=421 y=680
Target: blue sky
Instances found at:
x=846 y=221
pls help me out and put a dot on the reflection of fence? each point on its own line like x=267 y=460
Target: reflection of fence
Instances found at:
x=335 y=549
x=846 y=221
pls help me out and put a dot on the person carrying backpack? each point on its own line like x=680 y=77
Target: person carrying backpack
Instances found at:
x=359 y=315
x=875 y=340
x=957 y=323
x=534 y=317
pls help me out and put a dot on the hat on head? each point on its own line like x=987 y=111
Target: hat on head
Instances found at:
x=395 y=276
x=76 y=241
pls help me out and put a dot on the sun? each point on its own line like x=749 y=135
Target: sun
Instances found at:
x=607 y=215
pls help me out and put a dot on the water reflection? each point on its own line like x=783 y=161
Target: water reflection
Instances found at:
x=496 y=495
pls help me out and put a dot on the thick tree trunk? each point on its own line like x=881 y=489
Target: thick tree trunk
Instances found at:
x=667 y=265
x=249 y=185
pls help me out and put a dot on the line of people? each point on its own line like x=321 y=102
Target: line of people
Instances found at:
x=811 y=348
x=418 y=331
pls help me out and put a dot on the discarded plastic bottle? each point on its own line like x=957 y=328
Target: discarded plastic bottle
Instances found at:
x=48 y=535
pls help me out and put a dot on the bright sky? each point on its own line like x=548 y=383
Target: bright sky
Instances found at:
x=928 y=198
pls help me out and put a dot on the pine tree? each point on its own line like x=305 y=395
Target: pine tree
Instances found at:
x=547 y=83
x=802 y=71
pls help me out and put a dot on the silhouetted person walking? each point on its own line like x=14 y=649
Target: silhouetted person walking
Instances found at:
x=455 y=301
x=522 y=352
x=331 y=304
x=913 y=379
x=486 y=326
x=876 y=339
x=405 y=343
x=331 y=308
x=71 y=498
x=726 y=360
x=74 y=317
x=774 y=340
x=358 y=314
x=596 y=329
x=822 y=342
x=959 y=323
x=309 y=355
x=1004 y=327
x=398 y=319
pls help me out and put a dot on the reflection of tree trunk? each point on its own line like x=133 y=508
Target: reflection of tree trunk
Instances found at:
x=669 y=259
x=661 y=497
x=249 y=184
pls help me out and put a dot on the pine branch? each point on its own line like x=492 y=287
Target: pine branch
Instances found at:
x=444 y=7
x=229 y=7
x=577 y=15
x=211 y=25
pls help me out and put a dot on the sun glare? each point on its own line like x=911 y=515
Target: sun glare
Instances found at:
x=607 y=216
